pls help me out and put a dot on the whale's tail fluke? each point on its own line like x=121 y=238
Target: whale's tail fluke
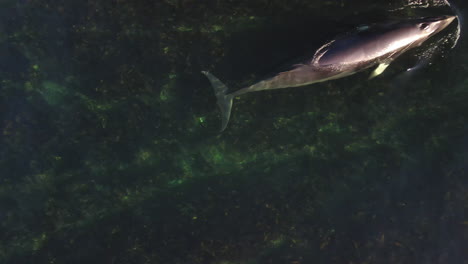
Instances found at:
x=224 y=99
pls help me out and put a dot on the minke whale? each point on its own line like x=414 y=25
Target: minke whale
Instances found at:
x=376 y=45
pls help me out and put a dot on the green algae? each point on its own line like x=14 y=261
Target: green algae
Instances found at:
x=110 y=144
x=53 y=93
x=184 y=29
x=39 y=242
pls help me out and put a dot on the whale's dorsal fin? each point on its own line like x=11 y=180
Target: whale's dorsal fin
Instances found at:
x=319 y=53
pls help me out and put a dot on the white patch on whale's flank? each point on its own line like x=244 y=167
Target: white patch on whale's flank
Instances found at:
x=379 y=70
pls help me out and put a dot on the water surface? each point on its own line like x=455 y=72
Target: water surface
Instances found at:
x=110 y=151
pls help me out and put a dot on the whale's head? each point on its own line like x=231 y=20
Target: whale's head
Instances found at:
x=428 y=26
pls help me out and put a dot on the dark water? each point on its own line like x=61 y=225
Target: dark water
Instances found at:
x=109 y=150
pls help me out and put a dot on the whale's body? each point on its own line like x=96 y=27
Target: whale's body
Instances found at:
x=368 y=47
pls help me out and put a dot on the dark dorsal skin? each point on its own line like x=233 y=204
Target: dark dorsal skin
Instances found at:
x=362 y=47
x=378 y=45
x=355 y=52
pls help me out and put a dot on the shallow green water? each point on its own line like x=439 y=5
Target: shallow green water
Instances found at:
x=110 y=151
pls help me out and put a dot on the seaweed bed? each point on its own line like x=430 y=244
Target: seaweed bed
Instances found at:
x=109 y=150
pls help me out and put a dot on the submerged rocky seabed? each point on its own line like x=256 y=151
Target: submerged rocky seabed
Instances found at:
x=109 y=151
